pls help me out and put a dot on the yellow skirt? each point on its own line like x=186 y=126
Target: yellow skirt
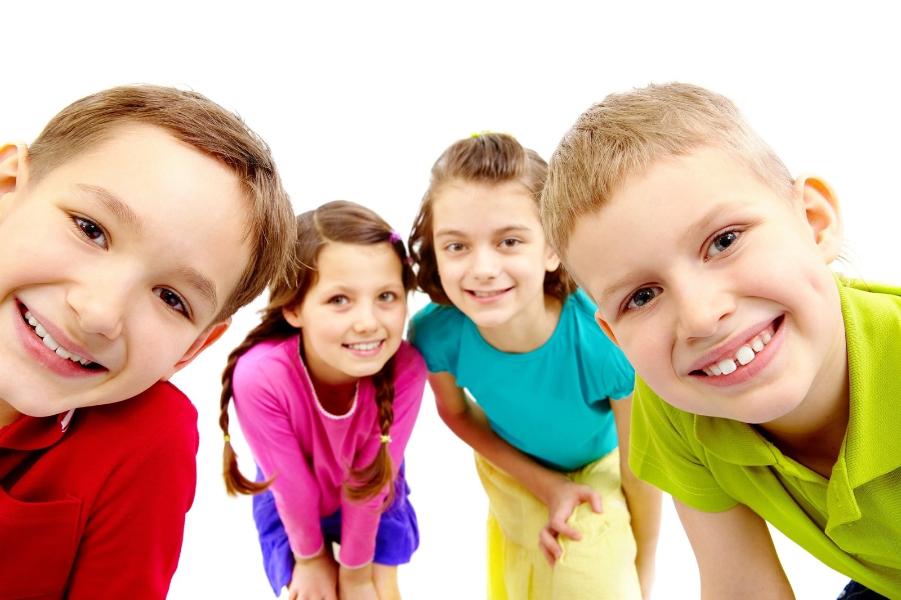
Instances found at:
x=600 y=565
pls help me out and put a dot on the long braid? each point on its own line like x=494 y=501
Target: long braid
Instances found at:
x=371 y=480
x=273 y=326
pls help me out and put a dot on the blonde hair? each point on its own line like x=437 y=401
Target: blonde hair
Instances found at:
x=626 y=133
x=198 y=121
x=489 y=158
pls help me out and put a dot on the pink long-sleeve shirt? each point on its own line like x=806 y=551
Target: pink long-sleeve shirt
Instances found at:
x=311 y=451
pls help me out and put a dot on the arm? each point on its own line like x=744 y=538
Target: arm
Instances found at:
x=267 y=427
x=470 y=424
x=643 y=499
x=735 y=554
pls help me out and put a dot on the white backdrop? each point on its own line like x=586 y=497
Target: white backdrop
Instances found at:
x=358 y=99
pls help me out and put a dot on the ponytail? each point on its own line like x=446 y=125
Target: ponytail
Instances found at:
x=274 y=325
x=369 y=481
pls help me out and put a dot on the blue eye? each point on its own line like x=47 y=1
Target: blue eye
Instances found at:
x=642 y=297
x=722 y=242
x=173 y=300
x=91 y=231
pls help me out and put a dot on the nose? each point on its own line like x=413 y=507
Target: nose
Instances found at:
x=99 y=306
x=365 y=320
x=702 y=307
x=485 y=264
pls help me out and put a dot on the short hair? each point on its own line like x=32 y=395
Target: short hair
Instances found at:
x=489 y=158
x=626 y=133
x=201 y=123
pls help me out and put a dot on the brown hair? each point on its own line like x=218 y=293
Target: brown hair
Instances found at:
x=489 y=158
x=199 y=122
x=337 y=221
x=625 y=133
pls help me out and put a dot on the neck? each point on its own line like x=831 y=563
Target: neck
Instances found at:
x=7 y=413
x=814 y=432
x=527 y=330
x=337 y=399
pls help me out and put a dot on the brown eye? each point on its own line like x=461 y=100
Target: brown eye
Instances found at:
x=91 y=231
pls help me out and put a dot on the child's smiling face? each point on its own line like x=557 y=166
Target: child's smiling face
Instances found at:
x=491 y=252
x=112 y=268
x=717 y=287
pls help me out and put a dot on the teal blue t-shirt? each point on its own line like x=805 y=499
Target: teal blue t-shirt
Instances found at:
x=552 y=403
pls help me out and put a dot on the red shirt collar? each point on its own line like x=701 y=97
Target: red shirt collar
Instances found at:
x=34 y=433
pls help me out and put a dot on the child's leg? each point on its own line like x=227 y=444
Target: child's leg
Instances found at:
x=496 y=561
x=385 y=579
x=601 y=565
x=516 y=568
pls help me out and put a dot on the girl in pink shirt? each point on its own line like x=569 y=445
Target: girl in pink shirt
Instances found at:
x=326 y=392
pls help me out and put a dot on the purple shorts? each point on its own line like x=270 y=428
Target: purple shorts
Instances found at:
x=396 y=540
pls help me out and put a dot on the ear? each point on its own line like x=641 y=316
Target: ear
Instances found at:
x=605 y=327
x=210 y=335
x=821 y=211
x=13 y=167
x=551 y=260
x=292 y=316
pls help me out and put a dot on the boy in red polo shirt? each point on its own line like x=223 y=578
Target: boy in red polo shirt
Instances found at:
x=131 y=230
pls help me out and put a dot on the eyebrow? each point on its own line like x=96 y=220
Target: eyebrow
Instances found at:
x=113 y=204
x=503 y=230
x=126 y=215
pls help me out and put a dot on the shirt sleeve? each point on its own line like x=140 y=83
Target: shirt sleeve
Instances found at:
x=663 y=452
x=261 y=403
x=360 y=520
x=133 y=534
x=433 y=330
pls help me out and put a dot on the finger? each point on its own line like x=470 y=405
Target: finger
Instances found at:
x=562 y=528
x=594 y=499
x=549 y=545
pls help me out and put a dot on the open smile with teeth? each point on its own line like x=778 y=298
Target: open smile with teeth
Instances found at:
x=743 y=356
x=364 y=346
x=53 y=345
x=488 y=294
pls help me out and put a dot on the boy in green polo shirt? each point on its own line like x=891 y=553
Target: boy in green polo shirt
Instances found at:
x=768 y=388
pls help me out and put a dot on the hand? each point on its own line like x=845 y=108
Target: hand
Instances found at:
x=314 y=578
x=356 y=584
x=561 y=503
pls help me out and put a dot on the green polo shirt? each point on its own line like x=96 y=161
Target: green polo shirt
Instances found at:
x=851 y=521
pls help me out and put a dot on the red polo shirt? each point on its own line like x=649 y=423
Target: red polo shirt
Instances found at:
x=93 y=503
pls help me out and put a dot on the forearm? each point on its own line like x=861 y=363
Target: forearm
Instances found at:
x=473 y=428
x=644 y=508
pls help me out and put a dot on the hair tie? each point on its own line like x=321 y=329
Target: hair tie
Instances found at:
x=394 y=237
x=385 y=438
x=227 y=438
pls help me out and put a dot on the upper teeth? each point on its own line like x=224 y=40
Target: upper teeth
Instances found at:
x=743 y=355
x=364 y=346
x=52 y=343
x=486 y=294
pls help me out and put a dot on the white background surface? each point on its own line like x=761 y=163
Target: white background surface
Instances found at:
x=358 y=99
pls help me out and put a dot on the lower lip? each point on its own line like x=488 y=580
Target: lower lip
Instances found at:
x=366 y=353
x=747 y=372
x=35 y=347
x=488 y=299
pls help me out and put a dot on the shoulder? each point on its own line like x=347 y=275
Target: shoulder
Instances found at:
x=436 y=332
x=155 y=430
x=433 y=320
x=266 y=365
x=409 y=362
